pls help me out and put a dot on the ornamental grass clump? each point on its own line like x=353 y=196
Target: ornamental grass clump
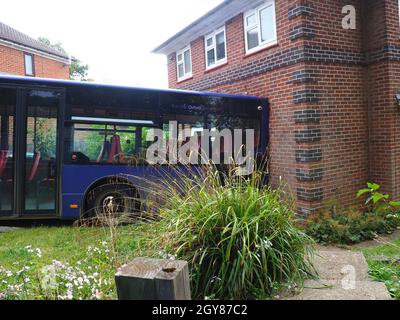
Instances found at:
x=238 y=235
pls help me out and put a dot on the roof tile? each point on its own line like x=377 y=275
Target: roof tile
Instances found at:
x=10 y=34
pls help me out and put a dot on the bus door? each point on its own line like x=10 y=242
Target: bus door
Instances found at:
x=38 y=151
x=8 y=101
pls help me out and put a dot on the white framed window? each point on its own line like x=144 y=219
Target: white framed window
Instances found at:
x=184 y=63
x=215 y=45
x=260 y=27
x=29 y=67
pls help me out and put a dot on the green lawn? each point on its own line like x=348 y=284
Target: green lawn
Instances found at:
x=80 y=253
x=69 y=243
x=387 y=271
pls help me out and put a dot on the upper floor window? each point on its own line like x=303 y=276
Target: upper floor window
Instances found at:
x=184 y=63
x=215 y=44
x=29 y=68
x=260 y=27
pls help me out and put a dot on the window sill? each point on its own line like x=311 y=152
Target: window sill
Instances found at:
x=269 y=46
x=216 y=67
x=184 y=79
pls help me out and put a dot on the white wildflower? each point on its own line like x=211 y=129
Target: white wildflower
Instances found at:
x=267 y=244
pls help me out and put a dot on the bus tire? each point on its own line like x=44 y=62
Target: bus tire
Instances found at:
x=112 y=200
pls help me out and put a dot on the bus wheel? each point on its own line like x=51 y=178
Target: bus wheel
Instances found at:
x=116 y=201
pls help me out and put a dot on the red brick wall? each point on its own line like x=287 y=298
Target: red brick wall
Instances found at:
x=344 y=126
x=383 y=84
x=342 y=104
x=336 y=75
x=47 y=68
x=12 y=61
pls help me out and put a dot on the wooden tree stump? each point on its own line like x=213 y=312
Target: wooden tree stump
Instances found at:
x=153 y=279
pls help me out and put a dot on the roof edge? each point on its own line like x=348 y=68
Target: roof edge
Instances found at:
x=22 y=47
x=158 y=50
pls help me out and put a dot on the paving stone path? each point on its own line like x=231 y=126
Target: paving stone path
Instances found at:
x=343 y=275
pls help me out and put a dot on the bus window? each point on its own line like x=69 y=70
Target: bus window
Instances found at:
x=113 y=135
x=109 y=144
x=7 y=112
x=188 y=126
x=41 y=150
x=220 y=122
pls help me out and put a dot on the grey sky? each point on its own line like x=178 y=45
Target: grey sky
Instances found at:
x=114 y=37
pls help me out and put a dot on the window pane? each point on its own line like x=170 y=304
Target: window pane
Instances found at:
x=190 y=125
x=88 y=142
x=40 y=187
x=251 y=20
x=211 y=57
x=179 y=57
x=210 y=42
x=96 y=142
x=108 y=144
x=188 y=62
x=181 y=72
x=7 y=111
x=220 y=39
x=252 y=39
x=222 y=148
x=267 y=24
x=108 y=129
x=28 y=65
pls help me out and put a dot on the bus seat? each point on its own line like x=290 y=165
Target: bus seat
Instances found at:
x=105 y=149
x=115 y=149
x=3 y=161
x=112 y=152
x=119 y=148
x=34 y=167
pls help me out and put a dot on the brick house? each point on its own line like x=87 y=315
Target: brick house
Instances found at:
x=335 y=122
x=24 y=56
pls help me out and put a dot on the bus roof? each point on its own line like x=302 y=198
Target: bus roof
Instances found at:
x=57 y=82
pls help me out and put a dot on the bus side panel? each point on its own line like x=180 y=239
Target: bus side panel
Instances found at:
x=77 y=179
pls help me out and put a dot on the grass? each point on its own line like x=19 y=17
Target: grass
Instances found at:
x=387 y=271
x=60 y=243
x=69 y=243
x=31 y=257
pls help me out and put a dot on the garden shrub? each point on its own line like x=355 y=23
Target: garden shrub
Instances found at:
x=347 y=229
x=239 y=237
x=380 y=216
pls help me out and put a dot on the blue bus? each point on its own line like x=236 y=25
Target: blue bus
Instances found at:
x=62 y=142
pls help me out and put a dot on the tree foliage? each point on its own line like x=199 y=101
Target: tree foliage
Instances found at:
x=78 y=70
